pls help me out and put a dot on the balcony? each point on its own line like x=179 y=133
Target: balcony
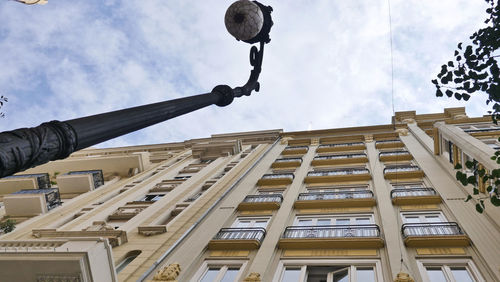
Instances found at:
x=14 y=183
x=276 y=179
x=31 y=202
x=261 y=202
x=365 y=236
x=338 y=175
x=402 y=172
x=78 y=182
x=295 y=150
x=482 y=131
x=335 y=199
x=338 y=147
x=393 y=143
x=415 y=196
x=287 y=163
x=238 y=239
x=339 y=159
x=438 y=234
x=395 y=156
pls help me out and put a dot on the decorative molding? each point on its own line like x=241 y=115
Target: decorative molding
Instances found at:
x=329 y=252
x=222 y=253
x=253 y=277
x=440 y=251
x=168 y=273
x=368 y=138
x=152 y=230
x=403 y=277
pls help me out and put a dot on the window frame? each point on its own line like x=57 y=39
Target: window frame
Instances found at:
x=252 y=219
x=352 y=217
x=439 y=213
x=302 y=264
x=446 y=264
x=224 y=265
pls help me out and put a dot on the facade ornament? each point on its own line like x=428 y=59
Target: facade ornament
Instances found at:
x=403 y=277
x=168 y=273
x=408 y=120
x=314 y=141
x=99 y=226
x=460 y=116
x=253 y=277
x=284 y=140
x=368 y=138
x=402 y=131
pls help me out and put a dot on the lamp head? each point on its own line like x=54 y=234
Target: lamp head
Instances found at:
x=249 y=21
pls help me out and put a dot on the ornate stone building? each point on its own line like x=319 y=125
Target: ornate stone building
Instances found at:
x=372 y=203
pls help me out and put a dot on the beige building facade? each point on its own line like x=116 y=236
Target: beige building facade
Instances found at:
x=373 y=203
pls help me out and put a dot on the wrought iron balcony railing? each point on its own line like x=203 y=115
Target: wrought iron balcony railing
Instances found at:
x=265 y=198
x=431 y=229
x=482 y=130
x=42 y=179
x=278 y=176
x=97 y=176
x=394 y=153
x=335 y=195
x=52 y=197
x=343 y=156
x=349 y=171
x=413 y=192
x=332 y=231
x=250 y=233
x=341 y=145
x=285 y=160
x=388 y=141
x=401 y=168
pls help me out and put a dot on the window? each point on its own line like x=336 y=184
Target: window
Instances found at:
x=152 y=197
x=129 y=257
x=271 y=192
x=329 y=271
x=409 y=185
x=423 y=217
x=451 y=271
x=337 y=189
x=334 y=220
x=220 y=271
x=245 y=222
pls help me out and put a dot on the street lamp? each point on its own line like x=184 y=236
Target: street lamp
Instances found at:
x=23 y=148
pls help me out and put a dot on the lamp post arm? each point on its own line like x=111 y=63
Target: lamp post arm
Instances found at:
x=25 y=148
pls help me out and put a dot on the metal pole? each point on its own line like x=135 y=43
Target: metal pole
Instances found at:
x=24 y=148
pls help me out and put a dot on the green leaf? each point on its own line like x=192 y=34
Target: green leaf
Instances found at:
x=458 y=166
x=469 y=164
x=479 y=209
x=493 y=157
x=476 y=191
x=469 y=197
x=495 y=201
x=481 y=172
x=482 y=203
x=489 y=189
x=471 y=180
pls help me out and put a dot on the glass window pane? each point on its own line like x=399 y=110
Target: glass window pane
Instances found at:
x=324 y=221
x=461 y=274
x=435 y=274
x=342 y=221
x=210 y=274
x=365 y=274
x=230 y=275
x=432 y=218
x=243 y=223
x=363 y=220
x=291 y=274
x=305 y=222
x=260 y=223
x=342 y=276
x=411 y=219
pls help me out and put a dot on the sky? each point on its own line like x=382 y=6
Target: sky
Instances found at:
x=328 y=64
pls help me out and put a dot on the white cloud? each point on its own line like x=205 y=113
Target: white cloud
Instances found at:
x=328 y=64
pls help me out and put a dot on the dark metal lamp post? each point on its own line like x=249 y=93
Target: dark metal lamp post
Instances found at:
x=23 y=148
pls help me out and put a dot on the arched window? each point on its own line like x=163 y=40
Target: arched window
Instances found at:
x=129 y=257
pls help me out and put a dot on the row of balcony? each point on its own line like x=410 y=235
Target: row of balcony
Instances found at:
x=342 y=174
x=347 y=146
x=336 y=159
x=334 y=199
x=361 y=236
